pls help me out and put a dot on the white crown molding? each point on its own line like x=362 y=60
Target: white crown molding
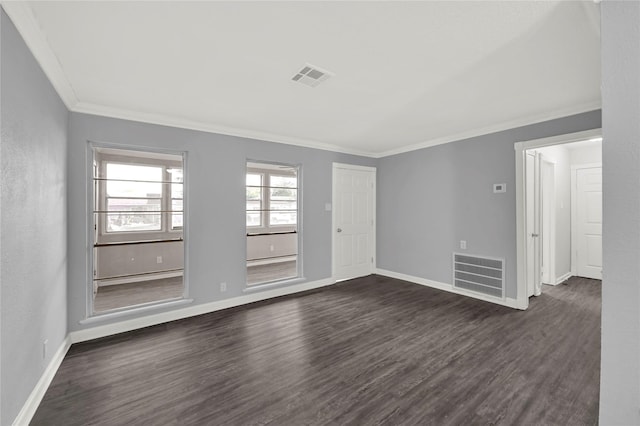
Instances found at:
x=26 y=23
x=507 y=125
x=166 y=120
x=22 y=17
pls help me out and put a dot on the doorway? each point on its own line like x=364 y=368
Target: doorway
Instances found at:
x=137 y=216
x=550 y=206
x=353 y=234
x=587 y=220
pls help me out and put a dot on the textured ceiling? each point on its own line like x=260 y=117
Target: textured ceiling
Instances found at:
x=407 y=74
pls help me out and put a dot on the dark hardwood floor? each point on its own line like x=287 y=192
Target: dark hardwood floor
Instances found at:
x=368 y=351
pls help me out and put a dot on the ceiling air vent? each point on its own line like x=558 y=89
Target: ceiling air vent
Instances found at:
x=312 y=75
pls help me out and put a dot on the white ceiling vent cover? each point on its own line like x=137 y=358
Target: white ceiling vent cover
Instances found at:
x=312 y=75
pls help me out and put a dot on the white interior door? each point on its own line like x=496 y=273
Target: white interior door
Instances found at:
x=353 y=221
x=588 y=217
x=532 y=213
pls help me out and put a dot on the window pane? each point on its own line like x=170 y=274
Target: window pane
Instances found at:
x=284 y=181
x=176 y=221
x=284 y=205
x=134 y=204
x=121 y=188
x=138 y=221
x=253 y=219
x=283 y=194
x=141 y=217
x=176 y=205
x=282 y=218
x=253 y=193
x=176 y=190
x=253 y=205
x=176 y=174
x=254 y=179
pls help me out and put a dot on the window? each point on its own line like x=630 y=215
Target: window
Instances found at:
x=272 y=197
x=139 y=197
x=177 y=187
x=133 y=197
x=254 y=199
x=138 y=247
x=283 y=200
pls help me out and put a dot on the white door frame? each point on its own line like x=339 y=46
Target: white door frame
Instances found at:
x=533 y=178
x=574 y=211
x=335 y=167
x=522 y=301
x=548 y=235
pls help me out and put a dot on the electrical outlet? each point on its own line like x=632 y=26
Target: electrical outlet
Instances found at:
x=463 y=244
x=159 y=259
x=44 y=348
x=223 y=287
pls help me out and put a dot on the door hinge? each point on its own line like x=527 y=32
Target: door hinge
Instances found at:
x=372 y=260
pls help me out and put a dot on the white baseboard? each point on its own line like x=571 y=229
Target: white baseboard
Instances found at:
x=563 y=278
x=33 y=401
x=205 y=308
x=511 y=303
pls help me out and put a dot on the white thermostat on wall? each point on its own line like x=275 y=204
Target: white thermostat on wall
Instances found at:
x=499 y=187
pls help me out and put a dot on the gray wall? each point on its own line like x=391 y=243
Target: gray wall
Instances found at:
x=428 y=200
x=586 y=155
x=33 y=227
x=215 y=184
x=620 y=374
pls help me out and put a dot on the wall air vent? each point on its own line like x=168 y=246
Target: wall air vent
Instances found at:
x=479 y=274
x=312 y=75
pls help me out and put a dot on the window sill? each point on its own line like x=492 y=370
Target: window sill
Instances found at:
x=274 y=284
x=125 y=312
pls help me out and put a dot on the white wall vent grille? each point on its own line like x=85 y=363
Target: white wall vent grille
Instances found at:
x=312 y=75
x=479 y=274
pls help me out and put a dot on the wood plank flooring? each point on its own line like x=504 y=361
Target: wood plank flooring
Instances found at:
x=123 y=295
x=374 y=350
x=271 y=272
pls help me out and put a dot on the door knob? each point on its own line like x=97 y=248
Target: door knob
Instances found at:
x=339 y=229
x=535 y=235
